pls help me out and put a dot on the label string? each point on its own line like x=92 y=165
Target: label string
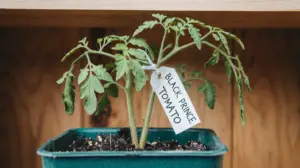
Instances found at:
x=152 y=66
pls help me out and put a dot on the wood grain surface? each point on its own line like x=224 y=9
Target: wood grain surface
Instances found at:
x=105 y=18
x=271 y=136
x=31 y=107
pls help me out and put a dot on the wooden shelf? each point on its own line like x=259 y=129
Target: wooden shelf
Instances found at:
x=122 y=13
x=165 y=5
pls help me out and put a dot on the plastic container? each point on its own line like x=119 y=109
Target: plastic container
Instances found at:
x=133 y=159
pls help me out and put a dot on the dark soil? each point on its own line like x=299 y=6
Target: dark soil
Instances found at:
x=122 y=142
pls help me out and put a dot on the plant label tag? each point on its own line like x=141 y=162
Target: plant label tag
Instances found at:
x=174 y=99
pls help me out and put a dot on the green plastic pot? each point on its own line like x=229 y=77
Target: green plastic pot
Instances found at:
x=141 y=159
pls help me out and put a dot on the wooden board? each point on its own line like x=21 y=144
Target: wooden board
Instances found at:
x=105 y=18
x=168 y=5
x=31 y=107
x=271 y=136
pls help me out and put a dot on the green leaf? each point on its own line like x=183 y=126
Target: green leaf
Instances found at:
x=202 y=88
x=137 y=53
x=187 y=85
x=160 y=17
x=110 y=66
x=99 y=40
x=121 y=68
x=224 y=42
x=62 y=79
x=68 y=96
x=82 y=75
x=140 y=77
x=181 y=69
x=239 y=41
x=102 y=104
x=210 y=93
x=216 y=37
x=169 y=21
x=189 y=20
x=213 y=60
x=228 y=71
x=194 y=32
x=112 y=90
x=247 y=82
x=112 y=38
x=120 y=47
x=87 y=90
x=145 y=25
x=196 y=74
x=97 y=85
x=102 y=74
x=142 y=43
x=119 y=57
x=71 y=52
x=241 y=100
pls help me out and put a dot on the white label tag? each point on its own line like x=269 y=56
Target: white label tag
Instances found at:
x=174 y=99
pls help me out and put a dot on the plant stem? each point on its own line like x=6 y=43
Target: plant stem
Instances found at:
x=147 y=121
x=151 y=100
x=132 y=124
x=162 y=46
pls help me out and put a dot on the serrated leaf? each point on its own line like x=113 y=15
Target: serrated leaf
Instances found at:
x=216 y=37
x=121 y=67
x=82 y=75
x=140 y=77
x=102 y=104
x=87 y=90
x=110 y=66
x=228 y=71
x=160 y=17
x=194 y=32
x=145 y=25
x=137 y=53
x=175 y=28
x=202 y=88
x=120 y=47
x=189 y=20
x=97 y=85
x=62 y=79
x=247 y=82
x=68 y=96
x=241 y=100
x=99 y=40
x=187 y=85
x=235 y=38
x=169 y=21
x=101 y=73
x=119 y=57
x=142 y=43
x=224 y=42
x=112 y=90
x=181 y=68
x=209 y=92
x=213 y=60
x=196 y=74
x=70 y=52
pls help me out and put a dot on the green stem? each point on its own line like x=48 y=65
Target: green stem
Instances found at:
x=162 y=46
x=132 y=124
x=147 y=121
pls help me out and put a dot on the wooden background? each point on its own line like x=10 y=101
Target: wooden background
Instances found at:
x=31 y=110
